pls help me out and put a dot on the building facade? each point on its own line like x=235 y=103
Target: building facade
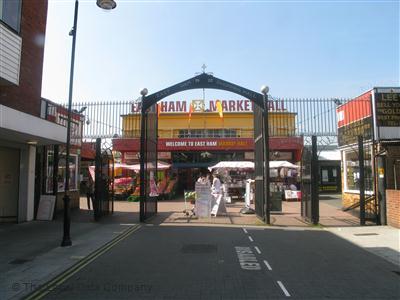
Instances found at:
x=374 y=115
x=23 y=128
x=193 y=135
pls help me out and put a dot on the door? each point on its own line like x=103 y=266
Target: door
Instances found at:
x=9 y=184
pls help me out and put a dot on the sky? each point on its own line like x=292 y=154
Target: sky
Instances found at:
x=300 y=49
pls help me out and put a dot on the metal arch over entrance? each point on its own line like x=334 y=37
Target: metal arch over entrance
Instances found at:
x=148 y=141
x=202 y=81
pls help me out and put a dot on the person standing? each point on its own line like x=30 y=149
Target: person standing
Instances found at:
x=216 y=184
x=89 y=191
x=202 y=178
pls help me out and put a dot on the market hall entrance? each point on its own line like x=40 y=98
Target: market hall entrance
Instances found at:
x=149 y=140
x=187 y=146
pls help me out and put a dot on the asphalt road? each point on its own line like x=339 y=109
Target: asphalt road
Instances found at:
x=183 y=262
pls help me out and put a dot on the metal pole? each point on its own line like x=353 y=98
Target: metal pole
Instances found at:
x=266 y=160
x=66 y=241
x=142 y=162
x=314 y=182
x=98 y=197
x=362 y=179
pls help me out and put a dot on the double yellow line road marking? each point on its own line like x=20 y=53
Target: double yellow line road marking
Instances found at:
x=64 y=276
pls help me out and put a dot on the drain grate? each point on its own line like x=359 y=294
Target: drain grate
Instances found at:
x=199 y=248
x=365 y=234
x=19 y=261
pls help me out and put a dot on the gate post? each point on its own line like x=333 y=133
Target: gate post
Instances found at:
x=142 y=161
x=381 y=191
x=362 y=178
x=97 y=181
x=314 y=182
x=267 y=202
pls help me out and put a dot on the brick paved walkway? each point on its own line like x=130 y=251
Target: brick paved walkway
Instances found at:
x=172 y=212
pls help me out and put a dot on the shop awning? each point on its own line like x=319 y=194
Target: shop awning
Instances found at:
x=274 y=164
x=136 y=167
x=233 y=165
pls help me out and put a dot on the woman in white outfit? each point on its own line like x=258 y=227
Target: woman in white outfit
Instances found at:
x=216 y=185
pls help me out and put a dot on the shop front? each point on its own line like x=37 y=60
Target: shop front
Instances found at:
x=193 y=135
x=51 y=159
x=189 y=156
x=375 y=116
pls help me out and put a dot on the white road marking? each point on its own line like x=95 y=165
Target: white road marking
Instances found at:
x=247 y=260
x=283 y=289
x=251 y=239
x=258 y=250
x=244 y=229
x=268 y=266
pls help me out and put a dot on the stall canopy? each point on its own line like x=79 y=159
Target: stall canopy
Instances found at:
x=233 y=165
x=274 y=164
x=160 y=166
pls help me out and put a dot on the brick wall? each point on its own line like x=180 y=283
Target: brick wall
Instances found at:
x=26 y=96
x=393 y=207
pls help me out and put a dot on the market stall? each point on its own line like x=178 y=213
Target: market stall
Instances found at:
x=234 y=175
x=283 y=178
x=127 y=183
x=284 y=181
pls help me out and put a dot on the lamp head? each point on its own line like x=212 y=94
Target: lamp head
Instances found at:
x=106 y=4
x=144 y=92
x=82 y=109
x=264 y=89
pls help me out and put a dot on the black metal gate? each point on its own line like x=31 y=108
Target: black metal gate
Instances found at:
x=148 y=162
x=103 y=201
x=148 y=139
x=309 y=183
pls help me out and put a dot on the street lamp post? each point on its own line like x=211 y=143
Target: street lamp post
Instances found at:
x=264 y=91
x=104 y=4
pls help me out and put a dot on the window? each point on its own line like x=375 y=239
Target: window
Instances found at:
x=328 y=175
x=352 y=170
x=207 y=133
x=73 y=172
x=49 y=171
x=396 y=170
x=10 y=13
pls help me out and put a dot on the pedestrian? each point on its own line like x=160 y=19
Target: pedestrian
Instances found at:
x=202 y=178
x=89 y=192
x=216 y=184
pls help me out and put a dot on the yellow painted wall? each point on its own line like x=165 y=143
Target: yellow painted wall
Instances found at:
x=169 y=124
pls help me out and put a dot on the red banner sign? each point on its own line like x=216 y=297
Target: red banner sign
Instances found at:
x=354 y=110
x=216 y=144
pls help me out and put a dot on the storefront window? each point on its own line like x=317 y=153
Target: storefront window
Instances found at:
x=207 y=133
x=49 y=171
x=352 y=170
x=73 y=172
